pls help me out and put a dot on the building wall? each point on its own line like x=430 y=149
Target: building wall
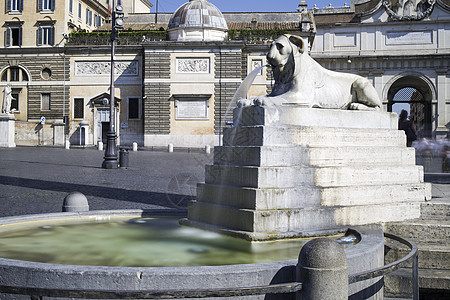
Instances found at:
x=60 y=18
x=385 y=51
x=90 y=74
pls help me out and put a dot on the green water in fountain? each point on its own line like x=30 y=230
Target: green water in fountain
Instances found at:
x=143 y=242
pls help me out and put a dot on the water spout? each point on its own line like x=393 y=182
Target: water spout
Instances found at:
x=241 y=92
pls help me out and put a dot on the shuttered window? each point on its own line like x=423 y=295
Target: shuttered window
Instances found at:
x=45 y=36
x=45 y=101
x=14 y=5
x=13 y=36
x=46 y=5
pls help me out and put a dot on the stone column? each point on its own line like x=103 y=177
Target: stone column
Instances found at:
x=7 y=130
x=443 y=107
x=322 y=268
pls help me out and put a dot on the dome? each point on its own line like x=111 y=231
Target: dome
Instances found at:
x=197 y=20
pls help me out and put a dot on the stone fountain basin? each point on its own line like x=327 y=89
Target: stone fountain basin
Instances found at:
x=365 y=255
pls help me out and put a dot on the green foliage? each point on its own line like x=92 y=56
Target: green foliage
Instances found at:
x=127 y=37
x=254 y=34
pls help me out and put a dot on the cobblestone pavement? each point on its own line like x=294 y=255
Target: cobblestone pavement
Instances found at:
x=36 y=179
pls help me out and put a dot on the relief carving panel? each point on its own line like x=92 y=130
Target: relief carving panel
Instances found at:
x=121 y=68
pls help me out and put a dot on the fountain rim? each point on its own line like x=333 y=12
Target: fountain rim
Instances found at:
x=87 y=277
x=99 y=215
x=112 y=214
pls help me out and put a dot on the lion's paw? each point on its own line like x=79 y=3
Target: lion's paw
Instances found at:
x=244 y=102
x=360 y=106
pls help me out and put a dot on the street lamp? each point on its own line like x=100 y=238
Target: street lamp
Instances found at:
x=110 y=160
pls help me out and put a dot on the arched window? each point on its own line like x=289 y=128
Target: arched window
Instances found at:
x=15 y=75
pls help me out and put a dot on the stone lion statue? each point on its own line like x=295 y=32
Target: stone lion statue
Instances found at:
x=300 y=80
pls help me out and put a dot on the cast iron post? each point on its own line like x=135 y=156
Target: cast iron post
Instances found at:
x=110 y=160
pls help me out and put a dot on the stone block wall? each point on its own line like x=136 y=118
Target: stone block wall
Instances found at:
x=228 y=65
x=56 y=101
x=38 y=84
x=157 y=104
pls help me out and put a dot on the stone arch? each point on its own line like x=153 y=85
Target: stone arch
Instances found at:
x=24 y=69
x=415 y=92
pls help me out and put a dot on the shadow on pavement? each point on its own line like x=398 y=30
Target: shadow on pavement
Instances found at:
x=161 y=199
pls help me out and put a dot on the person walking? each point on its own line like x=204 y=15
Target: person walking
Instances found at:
x=407 y=126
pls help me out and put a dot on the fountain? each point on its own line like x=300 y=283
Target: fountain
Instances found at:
x=287 y=169
x=292 y=167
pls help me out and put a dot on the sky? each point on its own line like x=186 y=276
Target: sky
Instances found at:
x=249 y=5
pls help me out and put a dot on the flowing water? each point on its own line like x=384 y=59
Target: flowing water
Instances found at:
x=144 y=242
x=242 y=91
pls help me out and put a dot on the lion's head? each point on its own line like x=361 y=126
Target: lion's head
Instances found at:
x=282 y=54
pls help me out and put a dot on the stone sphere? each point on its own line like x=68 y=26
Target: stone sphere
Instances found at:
x=75 y=202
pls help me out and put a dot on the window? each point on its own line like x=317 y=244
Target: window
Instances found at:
x=13 y=36
x=14 y=5
x=79 y=10
x=88 y=16
x=46 y=5
x=14 y=74
x=71 y=6
x=78 y=108
x=45 y=101
x=97 y=20
x=46 y=36
x=133 y=108
x=15 y=101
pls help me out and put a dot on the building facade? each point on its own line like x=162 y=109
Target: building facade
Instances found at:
x=178 y=88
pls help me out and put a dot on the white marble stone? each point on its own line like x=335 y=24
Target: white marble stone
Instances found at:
x=7 y=130
x=285 y=177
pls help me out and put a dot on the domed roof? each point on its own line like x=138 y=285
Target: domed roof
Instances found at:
x=198 y=13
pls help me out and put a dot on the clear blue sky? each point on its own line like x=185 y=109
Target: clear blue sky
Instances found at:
x=249 y=5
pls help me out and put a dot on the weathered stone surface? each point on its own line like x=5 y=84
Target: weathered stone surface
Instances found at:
x=282 y=172
x=302 y=116
x=7 y=129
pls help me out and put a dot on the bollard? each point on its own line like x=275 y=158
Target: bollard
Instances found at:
x=208 y=149
x=322 y=268
x=75 y=202
x=170 y=148
x=134 y=147
x=100 y=146
x=67 y=145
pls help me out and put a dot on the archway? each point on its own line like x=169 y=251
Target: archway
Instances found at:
x=414 y=93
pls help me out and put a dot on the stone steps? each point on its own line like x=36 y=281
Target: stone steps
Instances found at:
x=314 y=156
x=399 y=283
x=431 y=256
x=436 y=209
x=420 y=231
x=312 y=137
x=305 y=196
x=285 y=177
x=431 y=233
x=296 y=221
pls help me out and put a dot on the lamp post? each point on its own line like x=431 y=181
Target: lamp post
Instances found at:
x=110 y=160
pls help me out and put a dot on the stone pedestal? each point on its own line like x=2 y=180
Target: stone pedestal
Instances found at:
x=58 y=133
x=291 y=171
x=7 y=130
